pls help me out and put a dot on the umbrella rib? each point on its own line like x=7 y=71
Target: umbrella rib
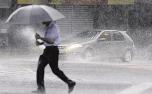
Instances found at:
x=31 y=15
x=55 y=11
x=46 y=12
x=13 y=15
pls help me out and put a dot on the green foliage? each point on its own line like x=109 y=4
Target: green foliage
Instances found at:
x=57 y=2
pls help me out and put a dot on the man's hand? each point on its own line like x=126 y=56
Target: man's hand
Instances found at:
x=47 y=40
x=37 y=36
x=39 y=43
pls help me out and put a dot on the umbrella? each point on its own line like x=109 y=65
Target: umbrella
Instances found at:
x=32 y=14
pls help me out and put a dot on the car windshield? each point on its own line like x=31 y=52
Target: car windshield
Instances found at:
x=82 y=36
x=87 y=34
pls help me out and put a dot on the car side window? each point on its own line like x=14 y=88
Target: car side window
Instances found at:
x=117 y=36
x=105 y=36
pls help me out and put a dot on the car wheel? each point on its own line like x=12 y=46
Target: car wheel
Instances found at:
x=88 y=54
x=149 y=52
x=128 y=56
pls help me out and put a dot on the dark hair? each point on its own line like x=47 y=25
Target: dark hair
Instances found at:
x=46 y=23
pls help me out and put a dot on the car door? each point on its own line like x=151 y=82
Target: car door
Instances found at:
x=103 y=44
x=118 y=44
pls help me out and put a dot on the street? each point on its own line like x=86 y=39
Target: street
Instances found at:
x=18 y=76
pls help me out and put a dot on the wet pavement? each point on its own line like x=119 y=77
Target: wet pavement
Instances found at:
x=17 y=76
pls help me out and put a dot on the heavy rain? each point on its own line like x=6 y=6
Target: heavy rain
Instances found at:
x=105 y=46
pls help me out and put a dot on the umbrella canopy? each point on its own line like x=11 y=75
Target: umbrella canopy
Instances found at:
x=32 y=14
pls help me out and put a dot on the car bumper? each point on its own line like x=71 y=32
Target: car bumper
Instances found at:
x=71 y=55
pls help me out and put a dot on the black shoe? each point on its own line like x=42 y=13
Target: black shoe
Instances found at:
x=39 y=91
x=71 y=86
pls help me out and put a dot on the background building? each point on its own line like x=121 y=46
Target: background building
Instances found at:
x=135 y=16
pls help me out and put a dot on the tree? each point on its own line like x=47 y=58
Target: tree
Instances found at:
x=55 y=1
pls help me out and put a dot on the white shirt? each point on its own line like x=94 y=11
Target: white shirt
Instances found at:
x=52 y=32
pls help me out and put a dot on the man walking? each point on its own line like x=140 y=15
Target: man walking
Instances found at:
x=50 y=56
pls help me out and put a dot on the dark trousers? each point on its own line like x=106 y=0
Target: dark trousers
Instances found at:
x=49 y=56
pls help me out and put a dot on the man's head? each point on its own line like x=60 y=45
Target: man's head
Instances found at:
x=46 y=23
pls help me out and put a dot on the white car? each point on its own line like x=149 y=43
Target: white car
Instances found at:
x=102 y=43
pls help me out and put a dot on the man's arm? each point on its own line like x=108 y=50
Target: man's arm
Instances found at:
x=47 y=40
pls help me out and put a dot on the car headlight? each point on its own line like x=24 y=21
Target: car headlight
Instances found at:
x=73 y=47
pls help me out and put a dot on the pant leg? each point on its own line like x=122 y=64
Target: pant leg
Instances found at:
x=40 y=72
x=53 y=62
